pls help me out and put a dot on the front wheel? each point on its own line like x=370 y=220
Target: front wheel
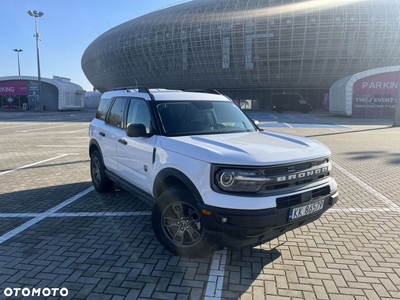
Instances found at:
x=177 y=223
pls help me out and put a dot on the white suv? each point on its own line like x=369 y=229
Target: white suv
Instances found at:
x=211 y=175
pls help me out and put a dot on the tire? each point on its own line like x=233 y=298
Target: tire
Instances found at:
x=100 y=180
x=177 y=223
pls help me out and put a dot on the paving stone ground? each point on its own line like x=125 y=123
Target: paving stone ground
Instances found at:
x=103 y=247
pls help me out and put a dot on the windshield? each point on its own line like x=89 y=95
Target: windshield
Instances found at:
x=202 y=117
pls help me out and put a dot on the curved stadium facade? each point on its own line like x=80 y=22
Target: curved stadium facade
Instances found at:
x=248 y=49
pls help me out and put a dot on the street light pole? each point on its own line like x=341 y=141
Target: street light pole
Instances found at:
x=36 y=14
x=18 y=51
x=396 y=122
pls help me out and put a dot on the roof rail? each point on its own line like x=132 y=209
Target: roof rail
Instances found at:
x=140 y=89
x=210 y=91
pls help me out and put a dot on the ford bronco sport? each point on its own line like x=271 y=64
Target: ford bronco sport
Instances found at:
x=211 y=175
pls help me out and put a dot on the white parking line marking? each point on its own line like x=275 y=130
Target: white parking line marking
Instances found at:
x=19 y=215
x=44 y=128
x=103 y=214
x=288 y=125
x=148 y=213
x=44 y=215
x=313 y=118
x=371 y=190
x=79 y=214
x=217 y=275
x=74 y=130
x=62 y=146
x=11 y=127
x=34 y=164
x=273 y=117
x=363 y=210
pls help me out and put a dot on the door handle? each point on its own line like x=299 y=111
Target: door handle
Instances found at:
x=123 y=142
x=102 y=133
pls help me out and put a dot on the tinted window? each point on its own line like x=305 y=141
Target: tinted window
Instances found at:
x=104 y=105
x=117 y=112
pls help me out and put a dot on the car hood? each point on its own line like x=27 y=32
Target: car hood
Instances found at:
x=250 y=148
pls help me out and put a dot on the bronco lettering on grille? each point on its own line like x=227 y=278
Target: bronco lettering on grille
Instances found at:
x=301 y=175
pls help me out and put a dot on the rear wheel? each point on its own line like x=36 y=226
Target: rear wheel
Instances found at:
x=177 y=223
x=100 y=180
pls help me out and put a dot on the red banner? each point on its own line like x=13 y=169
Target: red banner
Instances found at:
x=376 y=95
x=14 y=88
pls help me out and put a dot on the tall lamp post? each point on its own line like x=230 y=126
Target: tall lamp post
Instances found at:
x=396 y=122
x=18 y=51
x=36 y=15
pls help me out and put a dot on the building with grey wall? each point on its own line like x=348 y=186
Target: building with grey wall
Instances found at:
x=248 y=49
x=58 y=93
x=371 y=93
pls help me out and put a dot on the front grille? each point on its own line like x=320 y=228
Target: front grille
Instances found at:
x=289 y=201
x=294 y=175
x=271 y=171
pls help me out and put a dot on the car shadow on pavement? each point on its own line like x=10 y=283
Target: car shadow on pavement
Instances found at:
x=94 y=246
x=97 y=249
x=38 y=200
x=244 y=268
x=390 y=157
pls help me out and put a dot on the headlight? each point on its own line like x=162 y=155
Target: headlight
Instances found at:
x=240 y=180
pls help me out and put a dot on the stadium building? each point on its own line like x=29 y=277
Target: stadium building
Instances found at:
x=250 y=49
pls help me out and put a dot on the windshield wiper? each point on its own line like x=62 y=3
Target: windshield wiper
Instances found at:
x=245 y=127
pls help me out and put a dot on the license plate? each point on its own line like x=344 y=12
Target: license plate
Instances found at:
x=302 y=211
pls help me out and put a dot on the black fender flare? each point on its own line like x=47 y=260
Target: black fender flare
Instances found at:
x=176 y=176
x=93 y=142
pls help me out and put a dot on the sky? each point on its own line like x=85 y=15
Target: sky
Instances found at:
x=67 y=28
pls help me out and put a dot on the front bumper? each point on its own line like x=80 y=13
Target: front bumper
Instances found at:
x=234 y=228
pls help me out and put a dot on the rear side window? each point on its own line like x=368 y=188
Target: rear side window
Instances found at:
x=104 y=105
x=117 y=111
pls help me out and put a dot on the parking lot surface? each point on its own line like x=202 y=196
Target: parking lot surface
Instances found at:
x=57 y=232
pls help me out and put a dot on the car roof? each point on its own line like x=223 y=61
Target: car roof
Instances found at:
x=167 y=95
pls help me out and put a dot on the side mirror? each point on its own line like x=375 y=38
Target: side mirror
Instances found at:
x=258 y=125
x=136 y=130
